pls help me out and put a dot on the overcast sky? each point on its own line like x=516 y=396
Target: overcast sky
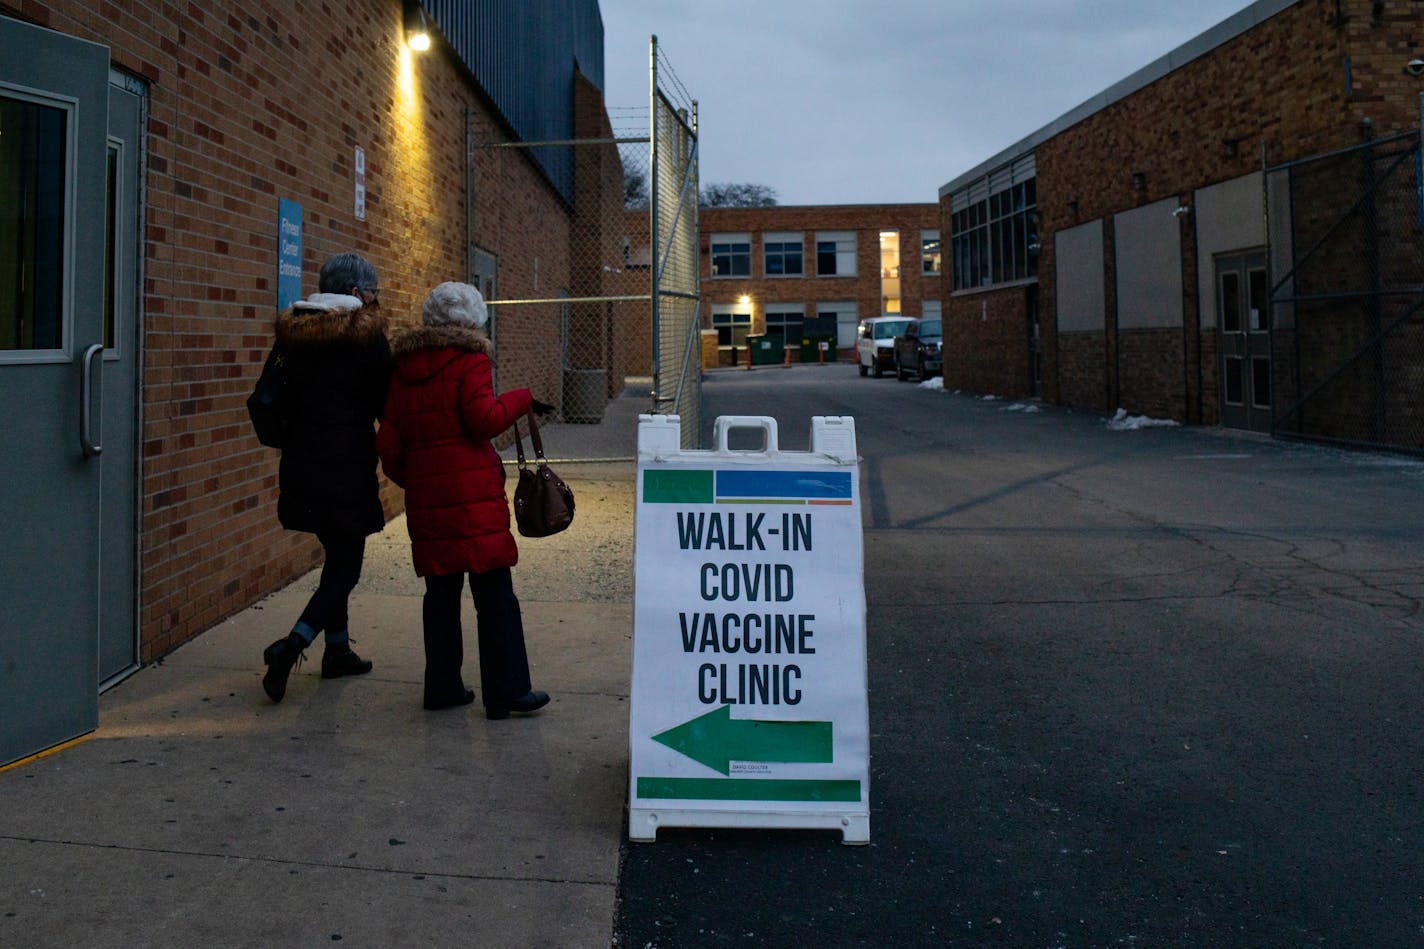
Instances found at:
x=881 y=101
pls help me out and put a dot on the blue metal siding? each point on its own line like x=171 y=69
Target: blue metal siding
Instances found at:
x=523 y=55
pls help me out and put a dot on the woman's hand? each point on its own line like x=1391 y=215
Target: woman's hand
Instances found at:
x=540 y=409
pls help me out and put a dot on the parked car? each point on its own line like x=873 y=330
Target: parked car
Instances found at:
x=875 y=342
x=919 y=351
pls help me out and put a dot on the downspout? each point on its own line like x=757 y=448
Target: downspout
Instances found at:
x=1197 y=307
x=469 y=202
x=1185 y=247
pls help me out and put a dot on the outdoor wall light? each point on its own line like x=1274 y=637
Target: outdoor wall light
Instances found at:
x=417 y=32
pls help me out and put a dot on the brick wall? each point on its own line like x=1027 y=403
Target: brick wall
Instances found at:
x=986 y=343
x=864 y=288
x=1156 y=386
x=1281 y=86
x=601 y=336
x=249 y=103
x=1081 y=380
x=633 y=276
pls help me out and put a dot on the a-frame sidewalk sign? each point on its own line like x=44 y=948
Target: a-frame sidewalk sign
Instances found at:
x=748 y=704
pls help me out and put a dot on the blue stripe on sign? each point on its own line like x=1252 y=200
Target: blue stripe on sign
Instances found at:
x=783 y=484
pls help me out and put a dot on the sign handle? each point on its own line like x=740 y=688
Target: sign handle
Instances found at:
x=766 y=424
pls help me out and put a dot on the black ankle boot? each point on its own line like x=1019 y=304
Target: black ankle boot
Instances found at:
x=280 y=657
x=339 y=660
x=526 y=703
x=436 y=703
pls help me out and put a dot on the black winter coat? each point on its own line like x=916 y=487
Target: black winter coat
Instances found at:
x=336 y=371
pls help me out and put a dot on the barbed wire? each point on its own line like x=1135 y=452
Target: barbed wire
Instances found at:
x=672 y=83
x=628 y=121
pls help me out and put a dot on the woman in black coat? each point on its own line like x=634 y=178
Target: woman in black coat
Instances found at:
x=336 y=369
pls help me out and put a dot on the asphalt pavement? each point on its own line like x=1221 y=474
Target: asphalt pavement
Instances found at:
x=1145 y=687
x=1155 y=687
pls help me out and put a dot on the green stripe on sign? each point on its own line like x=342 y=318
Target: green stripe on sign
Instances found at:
x=677 y=487
x=748 y=789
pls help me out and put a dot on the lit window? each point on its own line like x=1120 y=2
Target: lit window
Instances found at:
x=732 y=328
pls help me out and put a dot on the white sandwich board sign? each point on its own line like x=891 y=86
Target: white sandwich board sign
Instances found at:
x=748 y=704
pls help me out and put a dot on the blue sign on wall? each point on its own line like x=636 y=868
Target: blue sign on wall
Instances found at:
x=289 y=253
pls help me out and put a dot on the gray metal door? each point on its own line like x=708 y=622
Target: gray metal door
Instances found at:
x=53 y=132
x=1244 y=321
x=118 y=595
x=484 y=275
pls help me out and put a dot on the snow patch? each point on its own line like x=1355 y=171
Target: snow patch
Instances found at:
x=1122 y=422
x=936 y=384
x=1028 y=408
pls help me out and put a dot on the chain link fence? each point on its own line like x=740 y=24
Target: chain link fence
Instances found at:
x=598 y=324
x=676 y=301
x=1346 y=232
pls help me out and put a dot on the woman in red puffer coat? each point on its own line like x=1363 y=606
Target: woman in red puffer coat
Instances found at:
x=434 y=441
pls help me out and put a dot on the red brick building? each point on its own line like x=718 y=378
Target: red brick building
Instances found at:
x=179 y=169
x=766 y=272
x=1133 y=253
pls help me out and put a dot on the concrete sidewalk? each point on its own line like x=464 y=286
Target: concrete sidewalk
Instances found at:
x=201 y=814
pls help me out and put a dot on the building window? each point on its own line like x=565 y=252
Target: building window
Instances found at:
x=847 y=320
x=781 y=255
x=930 y=257
x=33 y=179
x=731 y=255
x=732 y=328
x=785 y=322
x=835 y=254
x=889 y=271
x=995 y=239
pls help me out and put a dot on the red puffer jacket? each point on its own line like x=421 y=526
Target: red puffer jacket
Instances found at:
x=434 y=441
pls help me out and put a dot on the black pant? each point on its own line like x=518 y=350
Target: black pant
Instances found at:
x=326 y=610
x=504 y=665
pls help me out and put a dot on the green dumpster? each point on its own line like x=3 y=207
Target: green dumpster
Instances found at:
x=766 y=350
x=814 y=332
x=811 y=348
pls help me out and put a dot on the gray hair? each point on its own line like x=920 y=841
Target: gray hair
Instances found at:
x=344 y=271
x=454 y=304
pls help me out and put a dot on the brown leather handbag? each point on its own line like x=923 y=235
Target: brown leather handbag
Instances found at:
x=543 y=504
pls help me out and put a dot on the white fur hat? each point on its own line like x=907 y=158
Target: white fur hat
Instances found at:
x=455 y=304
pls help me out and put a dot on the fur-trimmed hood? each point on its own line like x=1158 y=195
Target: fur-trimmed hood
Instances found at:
x=439 y=337
x=422 y=351
x=325 y=318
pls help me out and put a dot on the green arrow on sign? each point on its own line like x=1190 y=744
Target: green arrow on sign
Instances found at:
x=715 y=740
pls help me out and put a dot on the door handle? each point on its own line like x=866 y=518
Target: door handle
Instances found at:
x=86 y=396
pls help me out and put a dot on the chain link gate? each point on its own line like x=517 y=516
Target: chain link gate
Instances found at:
x=1346 y=238
x=598 y=336
x=676 y=300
